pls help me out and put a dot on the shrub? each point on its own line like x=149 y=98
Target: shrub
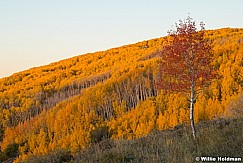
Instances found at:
x=235 y=108
x=100 y=134
x=12 y=150
x=3 y=156
x=57 y=156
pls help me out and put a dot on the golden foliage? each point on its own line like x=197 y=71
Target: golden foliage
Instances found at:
x=57 y=106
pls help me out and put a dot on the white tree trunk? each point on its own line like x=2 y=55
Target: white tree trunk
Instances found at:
x=192 y=101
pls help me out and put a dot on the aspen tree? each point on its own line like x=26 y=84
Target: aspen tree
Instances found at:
x=186 y=62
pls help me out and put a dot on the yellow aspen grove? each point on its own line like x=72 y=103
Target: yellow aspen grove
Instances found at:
x=93 y=101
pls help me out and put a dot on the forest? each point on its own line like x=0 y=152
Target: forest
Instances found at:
x=72 y=104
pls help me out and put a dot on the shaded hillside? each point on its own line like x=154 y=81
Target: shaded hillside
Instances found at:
x=60 y=105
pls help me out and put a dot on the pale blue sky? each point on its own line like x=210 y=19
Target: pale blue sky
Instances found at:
x=38 y=32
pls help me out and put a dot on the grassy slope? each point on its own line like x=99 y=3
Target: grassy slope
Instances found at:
x=221 y=137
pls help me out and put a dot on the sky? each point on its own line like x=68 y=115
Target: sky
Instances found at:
x=38 y=32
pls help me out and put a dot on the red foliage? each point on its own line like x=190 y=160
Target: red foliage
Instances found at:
x=185 y=59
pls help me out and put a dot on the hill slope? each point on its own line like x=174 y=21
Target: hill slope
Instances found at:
x=215 y=139
x=66 y=104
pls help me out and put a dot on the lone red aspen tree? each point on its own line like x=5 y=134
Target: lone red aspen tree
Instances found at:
x=185 y=63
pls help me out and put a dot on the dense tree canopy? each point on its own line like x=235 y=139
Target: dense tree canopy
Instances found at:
x=59 y=106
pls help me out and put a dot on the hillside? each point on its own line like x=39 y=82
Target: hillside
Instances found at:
x=65 y=104
x=215 y=139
